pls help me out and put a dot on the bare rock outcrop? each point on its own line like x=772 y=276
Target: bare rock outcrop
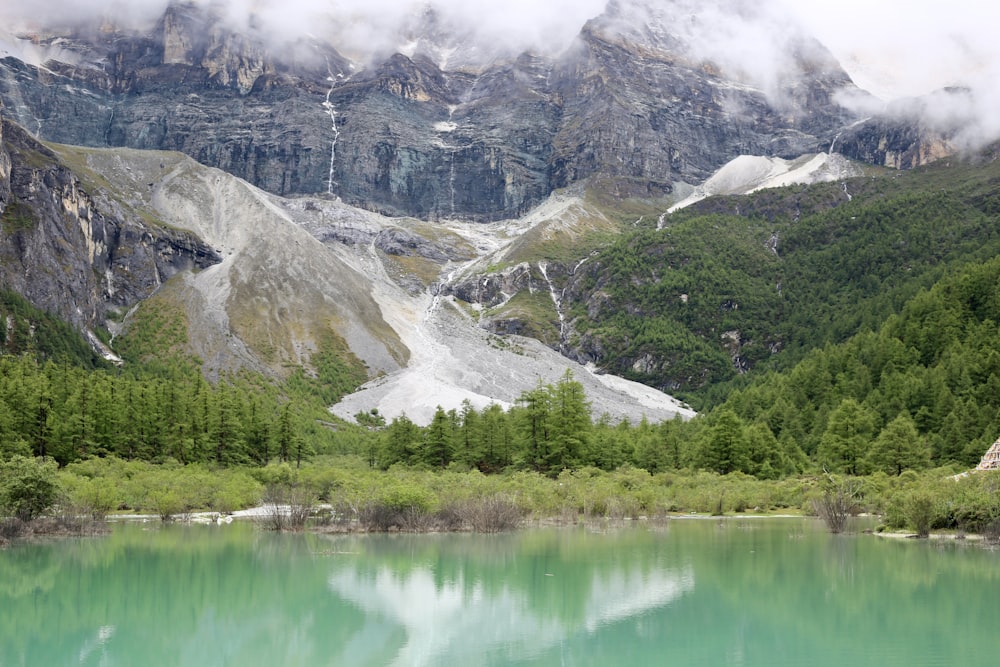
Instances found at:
x=73 y=251
x=411 y=136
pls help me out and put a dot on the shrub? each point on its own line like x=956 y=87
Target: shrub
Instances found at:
x=28 y=487
x=94 y=497
x=919 y=509
x=838 y=503
x=490 y=514
x=287 y=506
x=166 y=502
x=236 y=490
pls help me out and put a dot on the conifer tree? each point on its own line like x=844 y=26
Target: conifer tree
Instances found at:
x=469 y=445
x=437 y=446
x=570 y=423
x=899 y=447
x=534 y=415
x=401 y=442
x=849 y=432
x=725 y=449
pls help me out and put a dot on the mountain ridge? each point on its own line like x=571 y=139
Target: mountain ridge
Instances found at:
x=403 y=136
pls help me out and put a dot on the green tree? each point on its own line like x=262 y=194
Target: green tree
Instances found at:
x=534 y=415
x=28 y=487
x=438 y=442
x=257 y=433
x=401 y=442
x=570 y=423
x=609 y=446
x=844 y=444
x=767 y=457
x=469 y=441
x=899 y=447
x=224 y=432
x=285 y=437
x=498 y=439
x=11 y=441
x=725 y=449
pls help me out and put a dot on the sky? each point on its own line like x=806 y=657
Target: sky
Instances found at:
x=896 y=48
x=891 y=48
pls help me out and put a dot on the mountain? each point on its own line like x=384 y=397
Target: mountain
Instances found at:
x=451 y=221
x=265 y=283
x=430 y=135
x=74 y=251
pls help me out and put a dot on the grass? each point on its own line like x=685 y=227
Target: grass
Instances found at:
x=536 y=313
x=17 y=217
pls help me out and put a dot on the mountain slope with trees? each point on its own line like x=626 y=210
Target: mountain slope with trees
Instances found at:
x=736 y=282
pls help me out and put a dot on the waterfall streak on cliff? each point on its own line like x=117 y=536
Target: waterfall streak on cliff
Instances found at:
x=332 y=111
x=556 y=300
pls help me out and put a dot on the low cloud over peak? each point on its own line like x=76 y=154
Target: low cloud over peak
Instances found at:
x=893 y=50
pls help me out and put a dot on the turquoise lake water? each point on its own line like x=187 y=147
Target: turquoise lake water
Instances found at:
x=686 y=592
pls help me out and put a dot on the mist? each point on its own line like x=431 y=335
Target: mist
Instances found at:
x=896 y=51
x=358 y=28
x=890 y=49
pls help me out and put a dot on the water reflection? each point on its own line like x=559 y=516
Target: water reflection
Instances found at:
x=452 y=605
x=440 y=619
x=697 y=593
x=96 y=645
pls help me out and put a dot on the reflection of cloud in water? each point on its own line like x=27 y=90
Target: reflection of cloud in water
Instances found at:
x=629 y=594
x=451 y=618
x=105 y=633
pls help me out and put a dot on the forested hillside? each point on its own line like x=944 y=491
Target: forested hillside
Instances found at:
x=735 y=282
x=30 y=331
x=924 y=387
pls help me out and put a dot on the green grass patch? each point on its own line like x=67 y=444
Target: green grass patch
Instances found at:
x=534 y=311
x=156 y=335
x=17 y=217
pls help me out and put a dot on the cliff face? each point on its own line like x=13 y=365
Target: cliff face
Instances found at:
x=73 y=251
x=406 y=137
x=5 y=166
x=647 y=115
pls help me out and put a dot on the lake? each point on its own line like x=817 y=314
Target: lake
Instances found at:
x=738 y=591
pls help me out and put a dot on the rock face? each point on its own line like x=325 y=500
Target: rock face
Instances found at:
x=406 y=137
x=5 y=166
x=894 y=144
x=73 y=251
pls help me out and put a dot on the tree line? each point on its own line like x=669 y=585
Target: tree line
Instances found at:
x=69 y=413
x=923 y=390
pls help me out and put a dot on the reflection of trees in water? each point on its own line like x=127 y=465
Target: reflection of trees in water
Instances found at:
x=708 y=591
x=27 y=571
x=182 y=595
x=821 y=594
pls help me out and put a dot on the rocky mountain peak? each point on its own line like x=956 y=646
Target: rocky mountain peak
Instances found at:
x=651 y=95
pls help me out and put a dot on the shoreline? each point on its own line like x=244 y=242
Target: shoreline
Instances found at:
x=933 y=537
x=261 y=515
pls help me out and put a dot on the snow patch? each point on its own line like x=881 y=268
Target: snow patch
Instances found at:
x=750 y=173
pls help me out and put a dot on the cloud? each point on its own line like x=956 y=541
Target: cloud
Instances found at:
x=908 y=54
x=21 y=16
x=358 y=27
x=895 y=49
x=891 y=48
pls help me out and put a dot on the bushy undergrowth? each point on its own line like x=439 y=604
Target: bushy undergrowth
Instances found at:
x=344 y=494
x=966 y=503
